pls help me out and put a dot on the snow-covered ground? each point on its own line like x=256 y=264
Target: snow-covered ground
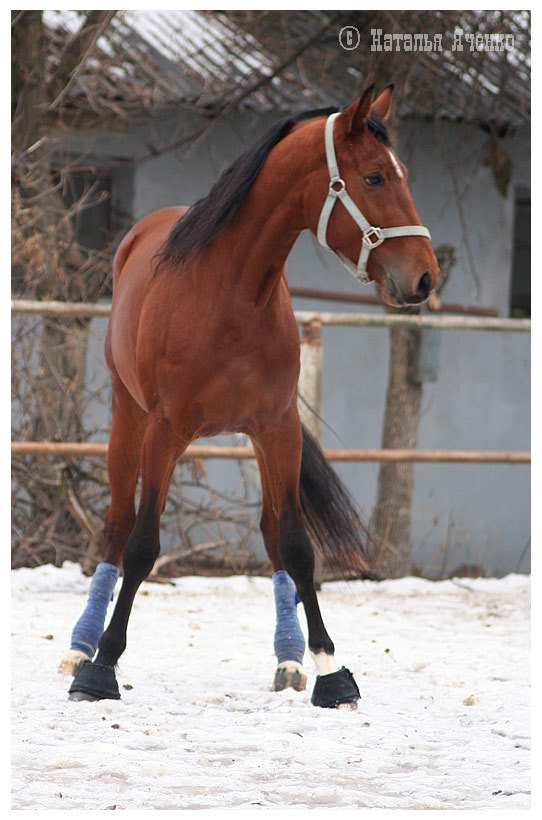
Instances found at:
x=443 y=722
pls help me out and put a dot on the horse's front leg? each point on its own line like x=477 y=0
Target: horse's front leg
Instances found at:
x=161 y=451
x=289 y=641
x=123 y=461
x=281 y=451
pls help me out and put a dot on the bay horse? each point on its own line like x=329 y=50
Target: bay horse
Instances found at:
x=202 y=340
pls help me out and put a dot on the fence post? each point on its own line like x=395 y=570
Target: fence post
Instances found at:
x=310 y=399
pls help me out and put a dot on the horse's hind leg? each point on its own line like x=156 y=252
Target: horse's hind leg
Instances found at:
x=289 y=642
x=282 y=450
x=160 y=452
x=123 y=459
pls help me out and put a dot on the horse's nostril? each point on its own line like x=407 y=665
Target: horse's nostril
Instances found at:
x=424 y=285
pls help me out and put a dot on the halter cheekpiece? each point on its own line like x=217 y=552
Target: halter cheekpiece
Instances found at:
x=372 y=237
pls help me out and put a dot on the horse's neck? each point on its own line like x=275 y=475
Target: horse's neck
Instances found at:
x=251 y=252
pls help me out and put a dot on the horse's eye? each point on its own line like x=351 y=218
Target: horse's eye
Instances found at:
x=374 y=180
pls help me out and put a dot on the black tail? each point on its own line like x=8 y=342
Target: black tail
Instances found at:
x=330 y=514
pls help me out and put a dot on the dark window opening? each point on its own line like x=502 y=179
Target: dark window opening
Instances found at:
x=87 y=194
x=99 y=202
x=520 y=288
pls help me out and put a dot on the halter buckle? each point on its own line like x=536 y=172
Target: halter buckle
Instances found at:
x=373 y=243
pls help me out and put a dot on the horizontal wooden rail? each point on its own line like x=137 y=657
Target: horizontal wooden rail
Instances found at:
x=364 y=299
x=80 y=450
x=303 y=317
x=76 y=309
x=419 y=321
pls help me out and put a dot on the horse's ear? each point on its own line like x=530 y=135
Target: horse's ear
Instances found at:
x=381 y=106
x=356 y=114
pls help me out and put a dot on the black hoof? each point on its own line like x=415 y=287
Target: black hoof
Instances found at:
x=336 y=688
x=95 y=682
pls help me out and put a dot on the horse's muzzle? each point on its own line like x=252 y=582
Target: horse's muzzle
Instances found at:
x=400 y=293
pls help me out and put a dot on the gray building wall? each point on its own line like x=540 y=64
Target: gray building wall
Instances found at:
x=462 y=514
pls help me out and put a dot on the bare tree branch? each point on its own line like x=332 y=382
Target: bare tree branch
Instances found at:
x=76 y=53
x=262 y=81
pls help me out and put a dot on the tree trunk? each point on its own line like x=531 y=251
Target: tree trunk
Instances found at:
x=46 y=257
x=391 y=517
x=52 y=270
x=392 y=513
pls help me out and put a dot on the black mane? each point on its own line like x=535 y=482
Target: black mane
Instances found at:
x=377 y=129
x=210 y=215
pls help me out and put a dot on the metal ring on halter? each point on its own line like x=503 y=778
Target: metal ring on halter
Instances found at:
x=370 y=242
x=338 y=181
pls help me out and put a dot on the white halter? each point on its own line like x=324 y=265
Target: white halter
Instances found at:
x=371 y=237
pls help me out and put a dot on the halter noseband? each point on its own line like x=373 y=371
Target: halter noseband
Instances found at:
x=371 y=237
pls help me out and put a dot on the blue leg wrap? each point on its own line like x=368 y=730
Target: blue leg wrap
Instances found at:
x=289 y=640
x=88 y=629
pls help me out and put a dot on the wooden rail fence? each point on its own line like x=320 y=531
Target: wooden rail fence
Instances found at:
x=311 y=373
x=304 y=317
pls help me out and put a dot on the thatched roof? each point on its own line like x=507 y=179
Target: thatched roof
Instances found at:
x=268 y=60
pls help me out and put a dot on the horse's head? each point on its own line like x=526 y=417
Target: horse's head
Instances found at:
x=378 y=233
